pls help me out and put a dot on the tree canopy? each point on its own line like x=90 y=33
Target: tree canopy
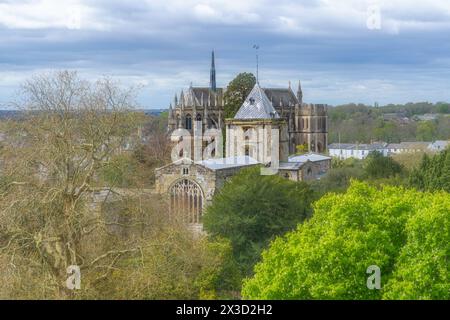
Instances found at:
x=433 y=172
x=238 y=89
x=251 y=209
x=352 y=123
x=403 y=232
x=378 y=166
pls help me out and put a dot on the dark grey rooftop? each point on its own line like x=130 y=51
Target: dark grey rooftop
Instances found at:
x=257 y=106
x=285 y=96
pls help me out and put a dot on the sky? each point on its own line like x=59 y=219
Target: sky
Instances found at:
x=361 y=51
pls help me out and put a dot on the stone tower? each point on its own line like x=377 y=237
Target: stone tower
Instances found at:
x=311 y=124
x=257 y=130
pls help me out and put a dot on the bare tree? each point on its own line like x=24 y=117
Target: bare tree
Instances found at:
x=50 y=161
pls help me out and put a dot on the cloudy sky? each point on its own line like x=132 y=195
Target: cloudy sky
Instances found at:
x=342 y=51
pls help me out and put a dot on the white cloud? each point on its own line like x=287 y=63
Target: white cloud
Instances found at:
x=41 y=14
x=162 y=44
x=282 y=16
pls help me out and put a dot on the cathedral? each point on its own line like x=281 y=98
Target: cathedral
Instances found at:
x=306 y=123
x=265 y=132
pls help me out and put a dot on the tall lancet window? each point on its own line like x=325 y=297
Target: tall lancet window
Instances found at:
x=188 y=122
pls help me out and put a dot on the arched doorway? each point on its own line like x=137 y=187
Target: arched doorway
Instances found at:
x=186 y=201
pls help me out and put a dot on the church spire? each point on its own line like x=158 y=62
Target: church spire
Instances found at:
x=300 y=93
x=212 y=76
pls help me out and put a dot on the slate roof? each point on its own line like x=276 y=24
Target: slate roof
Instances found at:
x=291 y=165
x=257 y=106
x=409 y=145
x=199 y=96
x=357 y=146
x=286 y=96
x=229 y=162
x=439 y=145
x=313 y=157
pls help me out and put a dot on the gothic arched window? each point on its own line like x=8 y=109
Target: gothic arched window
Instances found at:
x=186 y=201
x=188 y=122
x=199 y=117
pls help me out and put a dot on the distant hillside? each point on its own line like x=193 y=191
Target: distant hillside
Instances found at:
x=153 y=112
x=8 y=114
x=392 y=123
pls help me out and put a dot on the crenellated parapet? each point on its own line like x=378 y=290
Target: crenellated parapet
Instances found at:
x=311 y=109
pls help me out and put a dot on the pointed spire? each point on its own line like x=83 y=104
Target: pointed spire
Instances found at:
x=175 y=101
x=212 y=76
x=300 y=93
x=182 y=99
x=170 y=111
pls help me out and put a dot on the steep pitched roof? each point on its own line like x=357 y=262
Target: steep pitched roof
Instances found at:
x=286 y=96
x=257 y=106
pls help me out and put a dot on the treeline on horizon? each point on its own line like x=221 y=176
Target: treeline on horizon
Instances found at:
x=359 y=123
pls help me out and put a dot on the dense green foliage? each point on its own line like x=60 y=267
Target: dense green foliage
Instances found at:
x=237 y=90
x=433 y=173
x=338 y=179
x=392 y=123
x=404 y=232
x=375 y=169
x=379 y=166
x=251 y=209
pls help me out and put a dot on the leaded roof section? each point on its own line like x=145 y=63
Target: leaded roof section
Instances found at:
x=257 y=106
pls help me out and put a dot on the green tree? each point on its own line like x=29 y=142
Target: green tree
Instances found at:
x=426 y=131
x=422 y=268
x=327 y=256
x=443 y=108
x=433 y=173
x=251 y=209
x=379 y=166
x=238 y=89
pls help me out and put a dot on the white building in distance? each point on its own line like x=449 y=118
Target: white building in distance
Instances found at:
x=361 y=151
